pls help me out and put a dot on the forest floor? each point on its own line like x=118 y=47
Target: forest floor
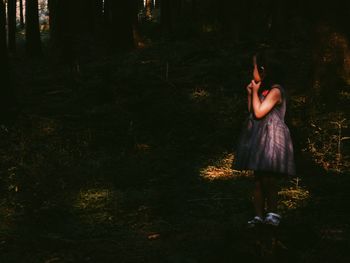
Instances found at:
x=127 y=158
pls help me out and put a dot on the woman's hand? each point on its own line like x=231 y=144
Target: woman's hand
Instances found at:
x=255 y=86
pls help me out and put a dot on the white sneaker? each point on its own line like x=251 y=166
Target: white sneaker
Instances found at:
x=257 y=220
x=272 y=219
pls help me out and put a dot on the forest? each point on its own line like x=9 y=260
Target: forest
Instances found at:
x=119 y=121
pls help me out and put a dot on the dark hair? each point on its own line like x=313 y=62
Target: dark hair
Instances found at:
x=270 y=68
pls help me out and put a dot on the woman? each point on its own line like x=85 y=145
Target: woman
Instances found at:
x=265 y=145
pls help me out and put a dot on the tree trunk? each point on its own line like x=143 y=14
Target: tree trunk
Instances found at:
x=226 y=19
x=98 y=13
x=11 y=23
x=60 y=22
x=62 y=30
x=21 y=17
x=122 y=17
x=82 y=19
x=33 y=40
x=166 y=17
x=3 y=45
x=156 y=3
x=6 y=99
x=280 y=18
x=331 y=56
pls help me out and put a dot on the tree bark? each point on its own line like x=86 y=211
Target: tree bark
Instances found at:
x=98 y=13
x=6 y=99
x=21 y=17
x=3 y=45
x=166 y=17
x=62 y=30
x=122 y=17
x=11 y=23
x=279 y=22
x=33 y=40
x=107 y=13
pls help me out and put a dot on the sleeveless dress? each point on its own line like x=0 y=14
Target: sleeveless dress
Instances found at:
x=265 y=144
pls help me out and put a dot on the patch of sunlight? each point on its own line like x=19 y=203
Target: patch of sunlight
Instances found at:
x=142 y=147
x=326 y=142
x=293 y=197
x=93 y=198
x=327 y=57
x=222 y=169
x=96 y=205
x=199 y=94
x=208 y=28
x=345 y=94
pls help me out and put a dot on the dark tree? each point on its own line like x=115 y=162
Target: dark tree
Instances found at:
x=57 y=23
x=33 y=40
x=5 y=99
x=330 y=49
x=230 y=16
x=21 y=17
x=279 y=21
x=11 y=22
x=107 y=13
x=166 y=16
x=85 y=11
x=62 y=29
x=97 y=8
x=3 y=45
x=121 y=19
x=72 y=26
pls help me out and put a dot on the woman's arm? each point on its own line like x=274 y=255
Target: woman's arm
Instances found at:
x=261 y=109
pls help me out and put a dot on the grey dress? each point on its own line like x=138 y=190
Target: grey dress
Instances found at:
x=265 y=144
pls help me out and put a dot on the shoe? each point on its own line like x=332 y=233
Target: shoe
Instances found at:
x=272 y=219
x=257 y=220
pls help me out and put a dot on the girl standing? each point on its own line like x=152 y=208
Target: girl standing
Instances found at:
x=265 y=145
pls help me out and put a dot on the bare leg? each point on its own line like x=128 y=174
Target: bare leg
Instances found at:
x=258 y=197
x=270 y=188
